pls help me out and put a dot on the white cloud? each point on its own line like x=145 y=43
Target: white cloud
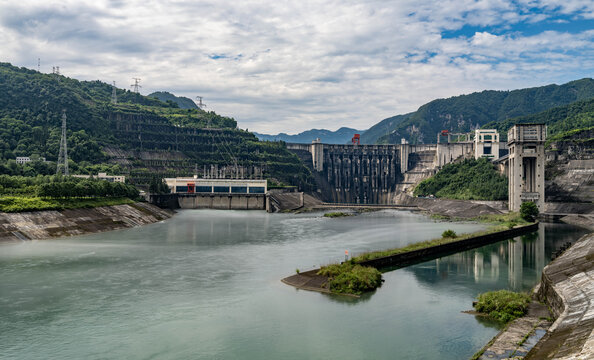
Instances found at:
x=290 y=66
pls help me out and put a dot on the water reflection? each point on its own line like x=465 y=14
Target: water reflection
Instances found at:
x=515 y=264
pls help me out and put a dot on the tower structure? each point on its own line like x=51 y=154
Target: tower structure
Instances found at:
x=114 y=95
x=136 y=86
x=526 y=144
x=63 y=156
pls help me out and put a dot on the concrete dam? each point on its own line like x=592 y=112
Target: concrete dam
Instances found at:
x=374 y=174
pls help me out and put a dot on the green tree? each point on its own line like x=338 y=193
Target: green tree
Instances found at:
x=528 y=211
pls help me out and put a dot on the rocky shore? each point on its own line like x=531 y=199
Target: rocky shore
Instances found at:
x=37 y=225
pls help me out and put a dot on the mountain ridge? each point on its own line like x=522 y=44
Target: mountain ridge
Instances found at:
x=464 y=113
x=340 y=136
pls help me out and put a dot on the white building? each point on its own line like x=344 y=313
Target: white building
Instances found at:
x=25 y=159
x=486 y=144
x=104 y=176
x=216 y=186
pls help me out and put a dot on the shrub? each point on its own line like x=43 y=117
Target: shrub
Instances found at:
x=503 y=305
x=528 y=211
x=336 y=214
x=347 y=278
x=449 y=234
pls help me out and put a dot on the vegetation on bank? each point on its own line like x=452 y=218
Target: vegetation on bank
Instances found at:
x=503 y=305
x=12 y=204
x=351 y=278
x=498 y=223
x=336 y=214
x=468 y=180
x=20 y=193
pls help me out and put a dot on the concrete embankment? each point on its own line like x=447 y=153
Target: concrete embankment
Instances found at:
x=451 y=208
x=310 y=280
x=567 y=287
x=51 y=224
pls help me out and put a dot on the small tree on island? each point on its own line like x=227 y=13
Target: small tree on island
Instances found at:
x=528 y=211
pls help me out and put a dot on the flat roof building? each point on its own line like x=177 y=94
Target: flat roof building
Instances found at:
x=104 y=176
x=192 y=185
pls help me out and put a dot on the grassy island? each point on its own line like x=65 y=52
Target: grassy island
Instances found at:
x=351 y=278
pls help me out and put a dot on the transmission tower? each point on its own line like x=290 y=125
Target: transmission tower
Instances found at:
x=114 y=96
x=63 y=156
x=38 y=64
x=56 y=70
x=136 y=85
x=200 y=103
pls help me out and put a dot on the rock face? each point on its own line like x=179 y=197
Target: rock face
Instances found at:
x=50 y=224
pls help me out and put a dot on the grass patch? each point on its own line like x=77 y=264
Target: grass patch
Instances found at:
x=498 y=223
x=350 y=278
x=337 y=214
x=503 y=305
x=12 y=204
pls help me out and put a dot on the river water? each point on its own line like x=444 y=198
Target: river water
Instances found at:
x=206 y=285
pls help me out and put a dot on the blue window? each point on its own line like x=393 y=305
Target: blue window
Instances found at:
x=221 y=189
x=239 y=189
x=203 y=189
x=181 y=189
x=257 y=190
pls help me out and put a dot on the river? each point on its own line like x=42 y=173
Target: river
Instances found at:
x=205 y=284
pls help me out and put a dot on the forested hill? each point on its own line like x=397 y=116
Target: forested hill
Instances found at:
x=561 y=119
x=467 y=112
x=181 y=101
x=340 y=136
x=145 y=133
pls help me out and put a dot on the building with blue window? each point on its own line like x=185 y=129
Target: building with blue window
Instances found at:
x=192 y=185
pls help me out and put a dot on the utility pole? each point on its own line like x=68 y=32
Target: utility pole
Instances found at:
x=114 y=96
x=136 y=85
x=63 y=156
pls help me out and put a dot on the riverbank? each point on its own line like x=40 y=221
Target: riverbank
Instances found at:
x=412 y=254
x=567 y=289
x=37 y=225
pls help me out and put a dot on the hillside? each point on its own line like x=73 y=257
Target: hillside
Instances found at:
x=467 y=180
x=340 y=136
x=143 y=136
x=181 y=101
x=468 y=112
x=578 y=115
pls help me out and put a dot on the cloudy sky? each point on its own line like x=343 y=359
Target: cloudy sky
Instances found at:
x=289 y=66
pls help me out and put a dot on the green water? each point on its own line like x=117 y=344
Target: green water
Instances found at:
x=206 y=285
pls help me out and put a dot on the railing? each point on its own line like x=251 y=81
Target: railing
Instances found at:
x=530 y=196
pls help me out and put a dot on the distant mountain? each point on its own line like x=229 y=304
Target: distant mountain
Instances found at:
x=468 y=112
x=182 y=102
x=340 y=136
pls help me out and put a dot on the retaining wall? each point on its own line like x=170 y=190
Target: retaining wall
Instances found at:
x=436 y=251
